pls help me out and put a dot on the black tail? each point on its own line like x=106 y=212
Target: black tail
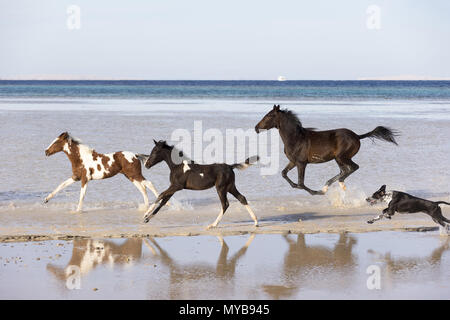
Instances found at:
x=381 y=133
x=439 y=202
x=246 y=164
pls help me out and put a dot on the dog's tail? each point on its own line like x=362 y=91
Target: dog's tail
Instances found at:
x=443 y=202
x=381 y=133
x=246 y=164
x=142 y=157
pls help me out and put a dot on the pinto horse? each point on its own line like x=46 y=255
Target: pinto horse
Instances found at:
x=88 y=165
x=185 y=174
x=305 y=145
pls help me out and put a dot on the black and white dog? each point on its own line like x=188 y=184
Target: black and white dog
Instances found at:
x=405 y=203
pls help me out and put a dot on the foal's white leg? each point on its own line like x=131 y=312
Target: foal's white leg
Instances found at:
x=252 y=214
x=215 y=223
x=66 y=183
x=152 y=188
x=82 y=194
x=141 y=188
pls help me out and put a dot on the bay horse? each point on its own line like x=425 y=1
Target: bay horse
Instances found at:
x=186 y=174
x=87 y=164
x=305 y=145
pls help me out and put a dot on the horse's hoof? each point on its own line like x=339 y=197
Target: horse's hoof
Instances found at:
x=210 y=227
x=256 y=225
x=45 y=200
x=369 y=222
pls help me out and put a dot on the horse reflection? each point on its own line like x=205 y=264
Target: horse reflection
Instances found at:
x=301 y=260
x=89 y=254
x=180 y=274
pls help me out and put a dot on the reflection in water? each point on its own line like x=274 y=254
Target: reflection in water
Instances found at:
x=301 y=260
x=306 y=266
x=224 y=270
x=88 y=254
x=404 y=267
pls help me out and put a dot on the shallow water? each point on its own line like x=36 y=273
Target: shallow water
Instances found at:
x=411 y=265
x=419 y=165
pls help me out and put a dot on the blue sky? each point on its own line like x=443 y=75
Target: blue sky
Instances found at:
x=207 y=39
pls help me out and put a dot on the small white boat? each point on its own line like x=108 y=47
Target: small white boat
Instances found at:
x=281 y=78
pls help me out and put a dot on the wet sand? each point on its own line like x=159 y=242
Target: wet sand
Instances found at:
x=410 y=265
x=42 y=223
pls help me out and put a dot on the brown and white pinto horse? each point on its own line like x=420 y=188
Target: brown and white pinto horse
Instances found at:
x=88 y=165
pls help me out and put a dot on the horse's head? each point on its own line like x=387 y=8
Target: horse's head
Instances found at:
x=158 y=153
x=58 y=144
x=270 y=120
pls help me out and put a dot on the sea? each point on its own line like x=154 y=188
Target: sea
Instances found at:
x=114 y=116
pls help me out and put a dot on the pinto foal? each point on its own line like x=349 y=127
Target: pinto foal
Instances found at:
x=189 y=175
x=88 y=165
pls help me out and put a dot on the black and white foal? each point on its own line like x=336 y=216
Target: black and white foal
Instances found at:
x=189 y=175
x=88 y=165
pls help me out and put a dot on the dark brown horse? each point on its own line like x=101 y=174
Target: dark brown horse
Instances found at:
x=188 y=175
x=303 y=146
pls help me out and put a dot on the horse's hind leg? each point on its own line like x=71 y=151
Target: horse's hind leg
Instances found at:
x=244 y=202
x=150 y=186
x=335 y=178
x=140 y=186
x=350 y=167
x=221 y=190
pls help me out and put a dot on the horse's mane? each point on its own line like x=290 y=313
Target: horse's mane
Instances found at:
x=74 y=139
x=293 y=120
x=292 y=117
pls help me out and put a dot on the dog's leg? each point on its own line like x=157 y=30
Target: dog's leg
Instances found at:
x=379 y=217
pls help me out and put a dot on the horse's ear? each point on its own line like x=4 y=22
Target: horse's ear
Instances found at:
x=154 y=141
x=64 y=135
x=383 y=187
x=277 y=108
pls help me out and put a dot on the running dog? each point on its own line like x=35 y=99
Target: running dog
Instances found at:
x=405 y=203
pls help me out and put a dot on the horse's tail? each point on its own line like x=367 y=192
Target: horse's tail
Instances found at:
x=142 y=157
x=246 y=164
x=443 y=202
x=381 y=133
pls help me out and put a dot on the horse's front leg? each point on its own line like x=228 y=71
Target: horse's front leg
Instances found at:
x=82 y=194
x=63 y=185
x=285 y=172
x=162 y=200
x=301 y=180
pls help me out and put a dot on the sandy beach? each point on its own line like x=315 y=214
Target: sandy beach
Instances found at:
x=41 y=224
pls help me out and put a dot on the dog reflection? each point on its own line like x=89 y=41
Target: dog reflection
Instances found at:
x=407 y=265
x=88 y=254
x=302 y=259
